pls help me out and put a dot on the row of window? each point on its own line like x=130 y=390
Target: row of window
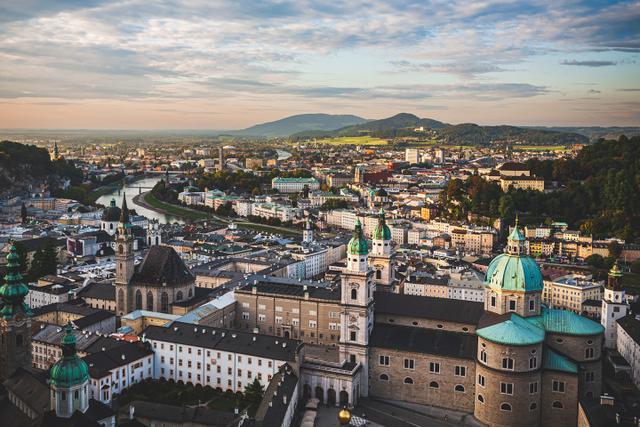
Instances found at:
x=189 y=377
x=506 y=407
x=556 y=385
x=434 y=367
x=509 y=363
x=432 y=384
x=198 y=365
x=512 y=304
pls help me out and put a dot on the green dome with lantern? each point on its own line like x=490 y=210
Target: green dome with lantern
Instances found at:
x=358 y=244
x=382 y=231
x=13 y=292
x=70 y=370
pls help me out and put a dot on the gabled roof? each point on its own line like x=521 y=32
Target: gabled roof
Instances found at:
x=162 y=266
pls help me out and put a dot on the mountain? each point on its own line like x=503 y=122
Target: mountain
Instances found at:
x=473 y=134
x=301 y=122
x=596 y=132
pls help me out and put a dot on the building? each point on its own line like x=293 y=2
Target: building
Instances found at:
x=521 y=183
x=571 y=292
x=614 y=306
x=219 y=357
x=161 y=280
x=412 y=155
x=628 y=344
x=294 y=185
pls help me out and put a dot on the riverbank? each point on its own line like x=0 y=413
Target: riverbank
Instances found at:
x=148 y=201
x=96 y=193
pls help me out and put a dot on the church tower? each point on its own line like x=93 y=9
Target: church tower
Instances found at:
x=15 y=320
x=154 y=237
x=356 y=300
x=381 y=255
x=124 y=261
x=614 y=306
x=69 y=379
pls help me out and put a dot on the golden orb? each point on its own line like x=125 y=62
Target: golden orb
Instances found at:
x=344 y=416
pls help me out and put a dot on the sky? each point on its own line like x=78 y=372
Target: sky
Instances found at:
x=207 y=64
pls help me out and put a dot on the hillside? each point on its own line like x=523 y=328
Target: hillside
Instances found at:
x=470 y=133
x=596 y=132
x=302 y=122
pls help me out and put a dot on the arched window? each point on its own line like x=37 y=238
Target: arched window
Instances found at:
x=164 y=302
x=179 y=296
x=138 y=300
x=505 y=407
x=121 y=301
x=483 y=356
x=533 y=406
x=434 y=384
x=378 y=274
x=459 y=388
x=111 y=226
x=408 y=380
x=480 y=398
x=354 y=294
x=557 y=404
x=120 y=249
x=384 y=377
x=150 y=301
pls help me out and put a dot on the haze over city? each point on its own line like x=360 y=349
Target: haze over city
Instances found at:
x=228 y=65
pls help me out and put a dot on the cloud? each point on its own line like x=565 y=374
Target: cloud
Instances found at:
x=589 y=63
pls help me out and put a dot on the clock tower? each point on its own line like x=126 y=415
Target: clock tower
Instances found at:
x=15 y=320
x=356 y=300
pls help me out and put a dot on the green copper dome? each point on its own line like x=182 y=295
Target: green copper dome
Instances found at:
x=70 y=370
x=382 y=231
x=514 y=273
x=358 y=244
x=13 y=291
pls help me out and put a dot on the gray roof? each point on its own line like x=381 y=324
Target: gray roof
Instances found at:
x=105 y=291
x=419 y=340
x=179 y=415
x=451 y=310
x=277 y=397
x=258 y=345
x=162 y=265
x=102 y=362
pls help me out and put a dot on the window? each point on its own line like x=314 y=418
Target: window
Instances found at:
x=533 y=387
x=480 y=398
x=409 y=363
x=459 y=388
x=353 y=335
x=434 y=367
x=483 y=356
x=533 y=407
x=461 y=371
x=384 y=377
x=588 y=353
x=481 y=380
x=354 y=294
x=558 y=386
x=408 y=380
x=434 y=384
x=384 y=360
x=589 y=376
x=262 y=318
x=505 y=407
x=493 y=301
x=512 y=305
x=312 y=323
x=557 y=405
x=506 y=388
x=532 y=305
x=533 y=363
x=507 y=363
x=245 y=315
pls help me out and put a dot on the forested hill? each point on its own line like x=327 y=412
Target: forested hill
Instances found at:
x=598 y=192
x=301 y=122
x=20 y=163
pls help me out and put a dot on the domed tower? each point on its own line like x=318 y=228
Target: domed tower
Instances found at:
x=124 y=262
x=69 y=379
x=15 y=319
x=307 y=233
x=513 y=282
x=381 y=255
x=356 y=299
x=110 y=218
x=614 y=306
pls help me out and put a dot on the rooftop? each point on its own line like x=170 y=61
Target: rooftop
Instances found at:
x=467 y=312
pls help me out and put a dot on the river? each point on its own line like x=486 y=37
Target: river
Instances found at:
x=132 y=189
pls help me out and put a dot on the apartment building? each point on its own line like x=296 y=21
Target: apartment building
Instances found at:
x=571 y=291
x=294 y=185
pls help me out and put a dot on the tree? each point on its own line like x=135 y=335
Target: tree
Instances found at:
x=635 y=266
x=506 y=207
x=23 y=213
x=595 y=260
x=253 y=395
x=615 y=250
x=44 y=262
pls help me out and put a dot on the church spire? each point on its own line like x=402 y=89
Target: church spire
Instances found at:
x=13 y=292
x=124 y=212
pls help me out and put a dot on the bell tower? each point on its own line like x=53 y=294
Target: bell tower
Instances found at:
x=356 y=300
x=381 y=254
x=124 y=261
x=614 y=306
x=15 y=320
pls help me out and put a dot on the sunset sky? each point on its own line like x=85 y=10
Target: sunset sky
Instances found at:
x=204 y=64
